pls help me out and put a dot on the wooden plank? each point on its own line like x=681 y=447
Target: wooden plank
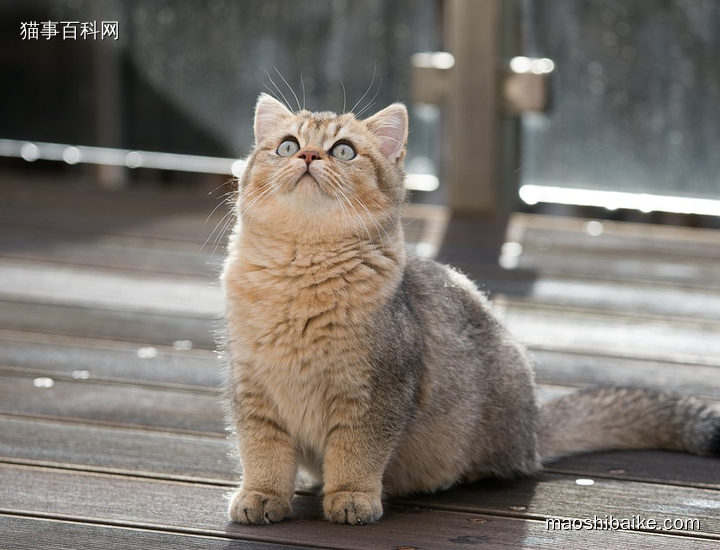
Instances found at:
x=649 y=466
x=546 y=258
x=596 y=286
x=25 y=533
x=577 y=369
x=66 y=246
x=148 y=328
x=618 y=236
x=28 y=533
x=174 y=213
x=424 y=226
x=116 y=404
x=73 y=358
x=628 y=229
x=632 y=297
x=197 y=411
x=110 y=219
x=199 y=509
x=67 y=285
x=633 y=336
x=118 y=450
x=474 y=245
x=93 y=289
x=212 y=459
x=559 y=495
x=646 y=248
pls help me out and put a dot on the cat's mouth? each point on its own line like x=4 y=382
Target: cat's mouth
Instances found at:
x=306 y=178
x=308 y=185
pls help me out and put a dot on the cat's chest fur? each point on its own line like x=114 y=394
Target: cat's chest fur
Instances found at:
x=298 y=316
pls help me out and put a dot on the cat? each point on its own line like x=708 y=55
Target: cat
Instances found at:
x=379 y=372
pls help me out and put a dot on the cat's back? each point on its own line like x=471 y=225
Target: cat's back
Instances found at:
x=462 y=335
x=475 y=408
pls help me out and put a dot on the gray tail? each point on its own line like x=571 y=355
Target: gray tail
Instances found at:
x=620 y=418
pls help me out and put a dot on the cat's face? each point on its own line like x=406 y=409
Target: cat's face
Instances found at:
x=324 y=172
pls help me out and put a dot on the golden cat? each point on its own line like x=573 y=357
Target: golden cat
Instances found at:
x=378 y=372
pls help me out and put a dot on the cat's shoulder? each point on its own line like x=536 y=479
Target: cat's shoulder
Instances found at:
x=425 y=276
x=423 y=270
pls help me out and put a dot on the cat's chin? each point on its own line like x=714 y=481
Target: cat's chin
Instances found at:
x=308 y=191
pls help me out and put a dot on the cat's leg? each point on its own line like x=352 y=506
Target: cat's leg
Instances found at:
x=269 y=461
x=353 y=468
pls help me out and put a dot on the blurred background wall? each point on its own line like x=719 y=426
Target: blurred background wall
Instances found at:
x=184 y=75
x=633 y=101
x=636 y=96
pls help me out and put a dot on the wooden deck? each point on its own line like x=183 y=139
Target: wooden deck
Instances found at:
x=111 y=425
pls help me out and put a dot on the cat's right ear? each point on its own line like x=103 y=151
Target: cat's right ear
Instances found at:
x=268 y=113
x=390 y=127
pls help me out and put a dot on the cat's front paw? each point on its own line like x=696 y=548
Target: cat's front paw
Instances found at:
x=352 y=508
x=255 y=508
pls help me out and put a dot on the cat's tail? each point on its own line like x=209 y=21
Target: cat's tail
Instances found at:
x=618 y=418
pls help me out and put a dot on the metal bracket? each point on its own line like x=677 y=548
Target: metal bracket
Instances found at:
x=430 y=76
x=525 y=84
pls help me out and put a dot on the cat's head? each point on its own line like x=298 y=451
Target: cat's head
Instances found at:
x=323 y=171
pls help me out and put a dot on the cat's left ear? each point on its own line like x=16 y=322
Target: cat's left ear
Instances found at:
x=268 y=113
x=390 y=126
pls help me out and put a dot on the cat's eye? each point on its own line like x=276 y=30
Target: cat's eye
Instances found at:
x=343 y=151
x=288 y=148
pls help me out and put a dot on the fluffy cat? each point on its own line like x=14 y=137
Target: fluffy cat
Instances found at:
x=383 y=373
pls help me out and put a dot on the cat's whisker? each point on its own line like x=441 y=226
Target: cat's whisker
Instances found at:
x=229 y=196
x=302 y=84
x=289 y=88
x=360 y=113
x=388 y=216
x=217 y=233
x=223 y=184
x=272 y=92
x=372 y=99
x=369 y=235
x=377 y=225
x=335 y=184
x=372 y=81
x=359 y=219
x=342 y=84
x=229 y=199
x=223 y=221
x=388 y=212
x=227 y=225
x=255 y=202
x=282 y=95
x=346 y=222
x=225 y=200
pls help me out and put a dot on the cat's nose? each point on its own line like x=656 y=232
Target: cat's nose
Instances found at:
x=309 y=154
